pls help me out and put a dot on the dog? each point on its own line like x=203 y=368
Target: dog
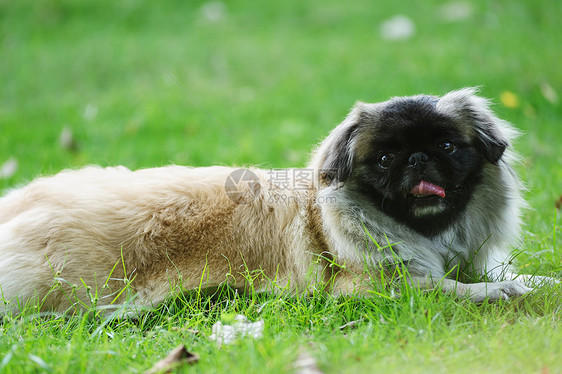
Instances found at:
x=422 y=183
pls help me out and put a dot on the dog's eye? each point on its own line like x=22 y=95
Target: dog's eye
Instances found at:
x=385 y=160
x=448 y=147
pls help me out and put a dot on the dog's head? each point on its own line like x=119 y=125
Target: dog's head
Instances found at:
x=417 y=159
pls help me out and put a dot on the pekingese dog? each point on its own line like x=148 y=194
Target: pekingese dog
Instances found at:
x=425 y=183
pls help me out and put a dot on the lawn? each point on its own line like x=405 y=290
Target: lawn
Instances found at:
x=259 y=83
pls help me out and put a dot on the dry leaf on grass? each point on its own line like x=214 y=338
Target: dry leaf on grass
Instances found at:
x=179 y=356
x=67 y=140
x=350 y=325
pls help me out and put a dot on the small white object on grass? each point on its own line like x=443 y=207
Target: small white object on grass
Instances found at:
x=306 y=364
x=549 y=93
x=213 y=11
x=398 y=27
x=8 y=168
x=91 y=112
x=226 y=334
x=455 y=11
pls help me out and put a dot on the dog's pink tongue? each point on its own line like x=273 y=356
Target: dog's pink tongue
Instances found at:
x=426 y=188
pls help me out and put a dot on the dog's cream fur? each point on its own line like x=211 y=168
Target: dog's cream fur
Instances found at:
x=166 y=224
x=88 y=233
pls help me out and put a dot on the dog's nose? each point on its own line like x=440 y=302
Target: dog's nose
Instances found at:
x=417 y=159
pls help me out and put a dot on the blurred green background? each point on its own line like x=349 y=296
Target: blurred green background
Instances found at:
x=259 y=83
x=239 y=82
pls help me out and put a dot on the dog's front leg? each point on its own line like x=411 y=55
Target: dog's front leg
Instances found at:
x=477 y=292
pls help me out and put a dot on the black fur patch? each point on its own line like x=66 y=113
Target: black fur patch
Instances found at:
x=410 y=126
x=339 y=161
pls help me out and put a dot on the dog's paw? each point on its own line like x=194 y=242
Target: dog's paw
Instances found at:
x=480 y=292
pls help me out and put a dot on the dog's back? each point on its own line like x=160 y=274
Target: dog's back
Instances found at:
x=82 y=236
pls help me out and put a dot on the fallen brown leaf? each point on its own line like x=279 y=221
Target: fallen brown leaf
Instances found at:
x=67 y=140
x=179 y=356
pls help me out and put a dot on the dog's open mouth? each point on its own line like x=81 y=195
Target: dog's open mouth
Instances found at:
x=426 y=189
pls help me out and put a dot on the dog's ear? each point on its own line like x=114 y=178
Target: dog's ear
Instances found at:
x=491 y=134
x=335 y=157
x=489 y=141
x=338 y=163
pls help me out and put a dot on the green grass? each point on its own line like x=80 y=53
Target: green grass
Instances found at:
x=278 y=76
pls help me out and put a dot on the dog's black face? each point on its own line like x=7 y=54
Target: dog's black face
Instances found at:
x=419 y=165
x=421 y=170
